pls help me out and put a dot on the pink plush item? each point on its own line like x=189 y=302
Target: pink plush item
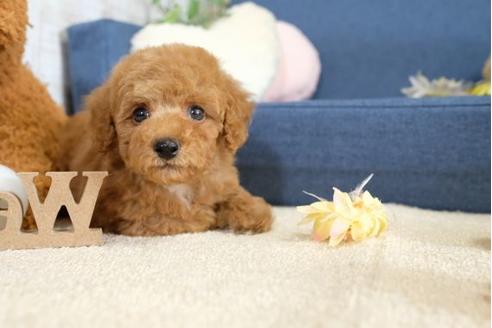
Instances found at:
x=299 y=68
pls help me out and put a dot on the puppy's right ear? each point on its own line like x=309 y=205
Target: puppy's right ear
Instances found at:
x=98 y=104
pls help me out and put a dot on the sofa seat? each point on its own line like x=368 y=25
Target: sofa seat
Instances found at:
x=431 y=153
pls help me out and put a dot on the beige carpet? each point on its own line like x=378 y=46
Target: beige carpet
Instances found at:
x=431 y=269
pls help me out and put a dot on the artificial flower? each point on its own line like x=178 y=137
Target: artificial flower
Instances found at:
x=441 y=87
x=356 y=215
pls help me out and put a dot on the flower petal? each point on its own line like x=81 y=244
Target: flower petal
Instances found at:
x=375 y=227
x=323 y=206
x=342 y=202
x=383 y=221
x=321 y=230
x=334 y=241
x=338 y=227
x=306 y=209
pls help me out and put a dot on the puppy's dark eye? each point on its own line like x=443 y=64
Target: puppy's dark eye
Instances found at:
x=140 y=114
x=196 y=113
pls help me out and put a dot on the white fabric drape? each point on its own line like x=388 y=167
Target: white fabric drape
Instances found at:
x=50 y=18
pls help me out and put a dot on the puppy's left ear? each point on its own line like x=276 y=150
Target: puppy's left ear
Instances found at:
x=239 y=111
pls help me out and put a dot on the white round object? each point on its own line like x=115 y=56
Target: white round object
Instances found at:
x=10 y=182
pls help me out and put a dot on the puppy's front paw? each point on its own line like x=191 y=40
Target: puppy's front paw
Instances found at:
x=245 y=213
x=255 y=222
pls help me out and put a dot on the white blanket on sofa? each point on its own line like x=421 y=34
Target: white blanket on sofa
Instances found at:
x=431 y=269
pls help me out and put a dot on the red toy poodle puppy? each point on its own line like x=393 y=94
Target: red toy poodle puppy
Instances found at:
x=166 y=125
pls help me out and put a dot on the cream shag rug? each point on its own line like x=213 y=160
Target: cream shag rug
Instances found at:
x=431 y=269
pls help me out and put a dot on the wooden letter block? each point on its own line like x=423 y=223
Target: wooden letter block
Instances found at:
x=11 y=237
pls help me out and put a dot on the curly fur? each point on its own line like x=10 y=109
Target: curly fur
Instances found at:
x=30 y=121
x=195 y=191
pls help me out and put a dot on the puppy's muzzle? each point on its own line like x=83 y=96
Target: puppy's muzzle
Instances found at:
x=166 y=148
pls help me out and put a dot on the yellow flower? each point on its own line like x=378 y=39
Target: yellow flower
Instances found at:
x=480 y=89
x=356 y=216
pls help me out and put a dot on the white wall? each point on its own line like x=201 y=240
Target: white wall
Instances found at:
x=49 y=18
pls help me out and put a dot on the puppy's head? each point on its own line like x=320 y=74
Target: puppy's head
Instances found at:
x=168 y=112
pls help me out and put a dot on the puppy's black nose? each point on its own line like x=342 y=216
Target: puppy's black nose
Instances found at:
x=166 y=148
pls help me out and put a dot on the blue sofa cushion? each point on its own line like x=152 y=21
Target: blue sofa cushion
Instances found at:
x=431 y=153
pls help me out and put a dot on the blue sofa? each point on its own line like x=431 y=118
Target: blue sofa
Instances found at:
x=432 y=153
